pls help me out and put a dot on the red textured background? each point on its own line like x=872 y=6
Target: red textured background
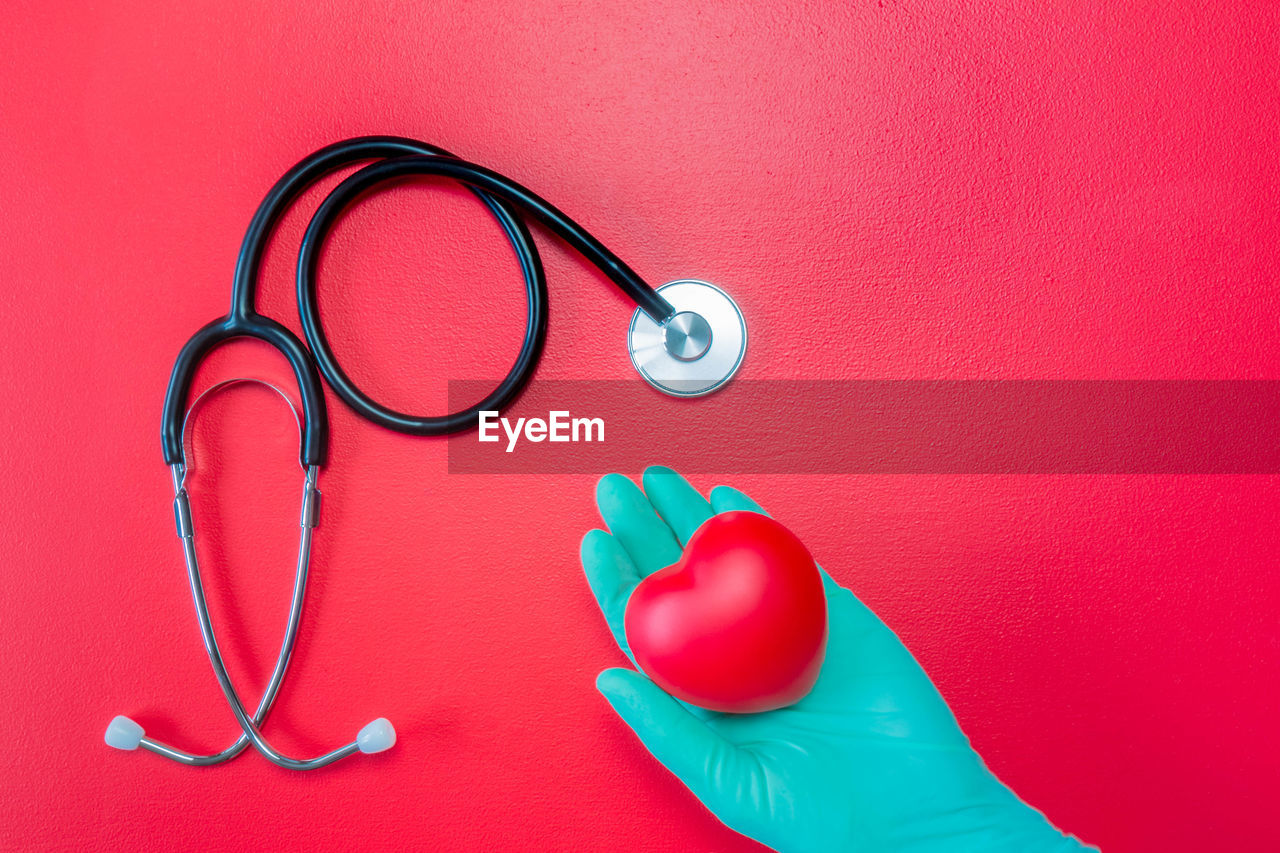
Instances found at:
x=889 y=189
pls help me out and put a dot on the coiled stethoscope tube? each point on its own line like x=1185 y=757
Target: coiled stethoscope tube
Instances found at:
x=683 y=336
x=399 y=157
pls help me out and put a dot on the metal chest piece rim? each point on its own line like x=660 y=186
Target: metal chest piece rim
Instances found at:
x=698 y=349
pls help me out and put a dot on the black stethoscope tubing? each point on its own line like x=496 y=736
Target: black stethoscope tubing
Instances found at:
x=395 y=157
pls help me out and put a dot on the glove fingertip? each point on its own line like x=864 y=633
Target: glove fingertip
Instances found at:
x=610 y=484
x=657 y=477
x=729 y=499
x=591 y=543
x=658 y=471
x=613 y=684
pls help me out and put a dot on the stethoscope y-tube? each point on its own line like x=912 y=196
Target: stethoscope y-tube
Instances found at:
x=661 y=343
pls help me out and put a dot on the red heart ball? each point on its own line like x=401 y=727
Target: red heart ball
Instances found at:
x=739 y=624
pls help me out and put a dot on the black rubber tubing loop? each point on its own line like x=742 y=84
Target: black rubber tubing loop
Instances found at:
x=483 y=182
x=535 y=332
x=244 y=321
x=406 y=156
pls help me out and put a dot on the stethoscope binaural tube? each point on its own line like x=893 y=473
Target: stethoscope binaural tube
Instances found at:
x=124 y=733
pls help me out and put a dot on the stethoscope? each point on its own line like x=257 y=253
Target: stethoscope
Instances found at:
x=686 y=338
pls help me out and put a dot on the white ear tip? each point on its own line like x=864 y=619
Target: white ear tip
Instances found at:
x=377 y=736
x=124 y=733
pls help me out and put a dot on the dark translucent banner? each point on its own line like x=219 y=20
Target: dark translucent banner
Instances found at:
x=880 y=427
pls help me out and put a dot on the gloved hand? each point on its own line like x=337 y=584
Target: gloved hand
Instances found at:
x=871 y=760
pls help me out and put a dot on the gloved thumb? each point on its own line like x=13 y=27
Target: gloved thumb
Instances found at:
x=698 y=756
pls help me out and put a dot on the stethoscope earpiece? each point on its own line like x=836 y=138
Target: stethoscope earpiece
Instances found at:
x=378 y=736
x=124 y=733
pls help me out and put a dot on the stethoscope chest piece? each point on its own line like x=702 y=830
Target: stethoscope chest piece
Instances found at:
x=698 y=349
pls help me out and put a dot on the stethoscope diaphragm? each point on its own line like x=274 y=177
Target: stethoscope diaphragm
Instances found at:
x=695 y=351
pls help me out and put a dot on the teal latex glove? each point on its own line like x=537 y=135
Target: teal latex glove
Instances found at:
x=871 y=760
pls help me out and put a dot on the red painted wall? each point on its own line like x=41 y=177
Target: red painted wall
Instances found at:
x=890 y=190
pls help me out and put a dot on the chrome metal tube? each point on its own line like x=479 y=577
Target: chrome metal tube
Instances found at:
x=249 y=724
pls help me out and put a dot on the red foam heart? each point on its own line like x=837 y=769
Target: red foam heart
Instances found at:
x=739 y=624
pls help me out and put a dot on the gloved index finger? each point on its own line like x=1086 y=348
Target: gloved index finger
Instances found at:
x=631 y=519
x=612 y=578
x=680 y=504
